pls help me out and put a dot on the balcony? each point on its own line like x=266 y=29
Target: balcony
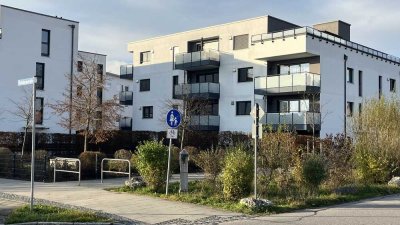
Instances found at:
x=300 y=121
x=197 y=90
x=126 y=72
x=296 y=83
x=126 y=98
x=125 y=123
x=201 y=60
x=204 y=122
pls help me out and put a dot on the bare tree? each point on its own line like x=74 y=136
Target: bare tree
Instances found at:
x=91 y=116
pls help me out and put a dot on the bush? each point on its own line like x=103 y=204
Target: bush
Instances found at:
x=193 y=152
x=237 y=173
x=119 y=165
x=174 y=159
x=151 y=161
x=88 y=160
x=5 y=160
x=41 y=154
x=211 y=162
x=313 y=171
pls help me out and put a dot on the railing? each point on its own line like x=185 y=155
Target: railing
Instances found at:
x=197 y=88
x=294 y=118
x=126 y=98
x=193 y=59
x=67 y=160
x=260 y=38
x=287 y=83
x=204 y=121
x=125 y=123
x=116 y=172
x=126 y=72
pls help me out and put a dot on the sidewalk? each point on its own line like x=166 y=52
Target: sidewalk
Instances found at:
x=91 y=195
x=6 y=206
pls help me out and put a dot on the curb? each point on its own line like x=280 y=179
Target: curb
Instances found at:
x=64 y=223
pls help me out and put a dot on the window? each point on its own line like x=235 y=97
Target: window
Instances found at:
x=147 y=112
x=360 y=83
x=145 y=85
x=392 y=85
x=240 y=42
x=99 y=68
x=243 y=108
x=40 y=76
x=350 y=75
x=45 y=42
x=350 y=109
x=39 y=110
x=359 y=109
x=175 y=81
x=294 y=106
x=80 y=66
x=79 y=90
x=144 y=57
x=245 y=74
x=380 y=86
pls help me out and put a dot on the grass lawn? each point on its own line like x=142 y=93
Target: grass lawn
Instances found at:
x=202 y=193
x=45 y=213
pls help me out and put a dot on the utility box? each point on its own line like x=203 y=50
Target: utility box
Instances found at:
x=184 y=169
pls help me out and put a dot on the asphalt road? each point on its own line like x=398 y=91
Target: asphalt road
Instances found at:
x=377 y=211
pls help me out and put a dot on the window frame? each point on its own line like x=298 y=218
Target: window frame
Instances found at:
x=349 y=109
x=40 y=86
x=149 y=114
x=142 y=87
x=46 y=54
x=392 y=85
x=238 y=36
x=141 y=56
x=79 y=66
x=350 y=75
x=39 y=122
x=247 y=78
x=247 y=107
x=360 y=89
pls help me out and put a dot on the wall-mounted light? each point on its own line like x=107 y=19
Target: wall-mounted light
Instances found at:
x=234 y=70
x=137 y=81
x=140 y=108
x=230 y=37
x=232 y=102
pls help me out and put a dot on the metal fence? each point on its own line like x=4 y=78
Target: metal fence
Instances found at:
x=17 y=167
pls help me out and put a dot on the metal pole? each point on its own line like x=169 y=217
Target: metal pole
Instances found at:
x=33 y=143
x=255 y=150
x=345 y=95
x=55 y=167
x=169 y=164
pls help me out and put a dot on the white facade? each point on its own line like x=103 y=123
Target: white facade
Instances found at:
x=272 y=46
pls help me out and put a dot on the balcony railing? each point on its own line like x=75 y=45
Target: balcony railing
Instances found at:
x=291 y=83
x=294 y=120
x=261 y=38
x=126 y=98
x=204 y=122
x=207 y=59
x=197 y=90
x=126 y=72
x=125 y=123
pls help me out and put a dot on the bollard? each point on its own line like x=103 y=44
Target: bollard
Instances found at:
x=184 y=168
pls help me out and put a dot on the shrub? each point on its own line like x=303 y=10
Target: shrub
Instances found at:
x=174 y=160
x=151 y=160
x=237 y=173
x=119 y=165
x=193 y=152
x=313 y=171
x=5 y=160
x=88 y=160
x=211 y=162
x=41 y=154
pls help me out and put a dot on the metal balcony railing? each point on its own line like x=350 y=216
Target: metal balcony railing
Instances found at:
x=126 y=72
x=206 y=59
x=295 y=120
x=125 y=123
x=261 y=38
x=197 y=90
x=126 y=98
x=296 y=82
x=204 y=122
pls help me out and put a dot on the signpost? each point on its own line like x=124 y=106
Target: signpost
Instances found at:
x=256 y=113
x=31 y=81
x=173 y=120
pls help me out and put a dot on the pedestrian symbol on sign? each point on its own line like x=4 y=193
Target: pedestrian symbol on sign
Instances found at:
x=173 y=118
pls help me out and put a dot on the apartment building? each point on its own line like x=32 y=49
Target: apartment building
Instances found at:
x=34 y=44
x=312 y=79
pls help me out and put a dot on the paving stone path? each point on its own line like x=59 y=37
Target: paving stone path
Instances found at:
x=6 y=206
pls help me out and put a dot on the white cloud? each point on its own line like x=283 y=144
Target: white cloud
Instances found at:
x=113 y=65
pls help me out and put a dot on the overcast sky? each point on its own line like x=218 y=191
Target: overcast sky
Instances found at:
x=106 y=26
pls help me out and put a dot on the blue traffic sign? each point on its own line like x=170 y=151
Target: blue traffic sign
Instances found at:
x=173 y=118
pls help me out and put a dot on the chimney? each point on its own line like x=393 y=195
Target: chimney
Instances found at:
x=338 y=28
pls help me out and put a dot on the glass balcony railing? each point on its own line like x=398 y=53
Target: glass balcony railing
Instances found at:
x=197 y=90
x=297 y=82
x=126 y=72
x=125 y=123
x=261 y=38
x=295 y=120
x=126 y=98
x=204 y=122
x=207 y=59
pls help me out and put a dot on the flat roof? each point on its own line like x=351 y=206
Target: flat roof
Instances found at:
x=40 y=14
x=92 y=53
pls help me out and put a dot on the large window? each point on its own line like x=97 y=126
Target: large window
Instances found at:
x=286 y=106
x=40 y=76
x=99 y=68
x=293 y=69
x=144 y=57
x=39 y=110
x=240 y=42
x=175 y=81
x=243 y=108
x=45 y=42
x=245 y=74
x=350 y=75
x=145 y=85
x=147 y=112
x=392 y=85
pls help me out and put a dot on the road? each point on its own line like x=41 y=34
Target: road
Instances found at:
x=378 y=211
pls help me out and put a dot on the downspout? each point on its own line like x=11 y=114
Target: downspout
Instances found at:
x=345 y=95
x=71 y=76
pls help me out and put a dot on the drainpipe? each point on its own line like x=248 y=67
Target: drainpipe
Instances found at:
x=71 y=76
x=345 y=95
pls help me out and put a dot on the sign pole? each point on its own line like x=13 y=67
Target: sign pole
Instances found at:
x=169 y=164
x=33 y=144
x=255 y=150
